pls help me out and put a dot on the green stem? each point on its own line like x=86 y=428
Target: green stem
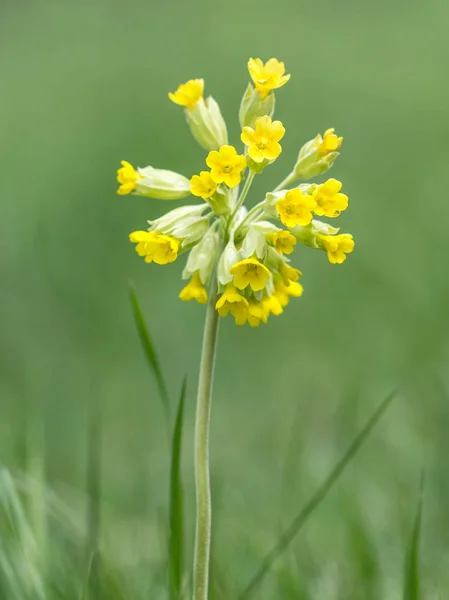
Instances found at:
x=202 y=480
x=289 y=179
x=243 y=195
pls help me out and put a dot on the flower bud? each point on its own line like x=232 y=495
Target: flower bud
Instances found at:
x=228 y=258
x=203 y=256
x=309 y=235
x=185 y=223
x=207 y=124
x=255 y=243
x=252 y=106
x=161 y=184
x=317 y=155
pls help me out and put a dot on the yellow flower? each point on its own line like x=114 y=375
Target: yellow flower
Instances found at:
x=330 y=143
x=226 y=165
x=250 y=272
x=128 y=177
x=283 y=241
x=268 y=76
x=263 y=141
x=272 y=305
x=337 y=247
x=232 y=302
x=330 y=202
x=289 y=274
x=155 y=246
x=255 y=314
x=194 y=290
x=295 y=208
x=188 y=93
x=283 y=292
x=203 y=185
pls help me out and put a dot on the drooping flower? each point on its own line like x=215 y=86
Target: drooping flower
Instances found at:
x=155 y=246
x=127 y=176
x=263 y=141
x=295 y=208
x=267 y=77
x=272 y=305
x=337 y=246
x=283 y=292
x=329 y=201
x=250 y=272
x=194 y=290
x=188 y=93
x=203 y=185
x=232 y=302
x=329 y=143
x=289 y=274
x=226 y=165
x=283 y=241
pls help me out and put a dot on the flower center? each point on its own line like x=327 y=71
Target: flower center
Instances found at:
x=227 y=168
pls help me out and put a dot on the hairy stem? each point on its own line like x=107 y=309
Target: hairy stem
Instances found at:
x=202 y=480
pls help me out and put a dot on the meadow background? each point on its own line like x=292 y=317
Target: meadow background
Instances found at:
x=84 y=85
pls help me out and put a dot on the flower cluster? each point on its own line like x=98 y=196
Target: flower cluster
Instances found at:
x=240 y=257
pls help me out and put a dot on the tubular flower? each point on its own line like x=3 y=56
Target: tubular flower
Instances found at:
x=329 y=143
x=226 y=165
x=337 y=247
x=267 y=77
x=241 y=255
x=194 y=290
x=155 y=246
x=250 y=272
x=283 y=241
x=330 y=202
x=188 y=93
x=203 y=185
x=263 y=141
x=127 y=176
x=295 y=208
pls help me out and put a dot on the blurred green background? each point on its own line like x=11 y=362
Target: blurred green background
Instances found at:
x=84 y=85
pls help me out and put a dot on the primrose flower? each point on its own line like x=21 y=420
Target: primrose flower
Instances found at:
x=239 y=257
x=250 y=272
x=329 y=143
x=295 y=208
x=226 y=165
x=263 y=141
x=194 y=290
x=337 y=247
x=267 y=77
x=283 y=241
x=330 y=202
x=188 y=93
x=203 y=185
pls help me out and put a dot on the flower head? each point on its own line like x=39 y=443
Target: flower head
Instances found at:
x=128 y=177
x=188 y=93
x=283 y=241
x=232 y=302
x=283 y=292
x=267 y=77
x=226 y=165
x=263 y=141
x=203 y=185
x=155 y=246
x=295 y=208
x=194 y=290
x=329 y=201
x=337 y=247
x=250 y=272
x=329 y=143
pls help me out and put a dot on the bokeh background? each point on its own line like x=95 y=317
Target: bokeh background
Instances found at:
x=84 y=85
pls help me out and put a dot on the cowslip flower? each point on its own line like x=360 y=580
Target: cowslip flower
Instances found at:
x=226 y=165
x=329 y=143
x=329 y=201
x=188 y=94
x=267 y=77
x=337 y=247
x=250 y=272
x=156 y=247
x=296 y=208
x=263 y=141
x=194 y=290
x=232 y=302
x=283 y=241
x=127 y=176
x=203 y=185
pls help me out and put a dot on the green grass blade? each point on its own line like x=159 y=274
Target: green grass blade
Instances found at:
x=411 y=570
x=150 y=352
x=176 y=531
x=288 y=535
